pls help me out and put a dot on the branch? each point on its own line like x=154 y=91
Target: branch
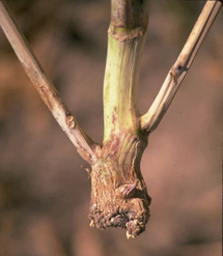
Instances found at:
x=178 y=71
x=44 y=86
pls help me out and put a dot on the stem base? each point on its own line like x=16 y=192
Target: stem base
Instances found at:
x=119 y=195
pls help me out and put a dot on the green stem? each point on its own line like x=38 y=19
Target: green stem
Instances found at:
x=121 y=86
x=125 y=45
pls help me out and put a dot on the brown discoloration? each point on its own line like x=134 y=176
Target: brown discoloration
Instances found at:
x=111 y=148
x=129 y=13
x=129 y=19
x=131 y=214
x=70 y=121
x=119 y=196
x=114 y=116
x=126 y=34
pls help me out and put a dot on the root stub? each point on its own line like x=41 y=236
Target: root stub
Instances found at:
x=131 y=215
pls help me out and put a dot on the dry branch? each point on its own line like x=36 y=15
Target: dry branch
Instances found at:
x=85 y=146
x=178 y=71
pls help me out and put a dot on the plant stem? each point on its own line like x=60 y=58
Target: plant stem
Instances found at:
x=85 y=146
x=126 y=37
x=121 y=86
x=119 y=196
x=178 y=71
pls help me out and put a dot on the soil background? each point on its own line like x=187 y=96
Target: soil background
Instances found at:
x=44 y=192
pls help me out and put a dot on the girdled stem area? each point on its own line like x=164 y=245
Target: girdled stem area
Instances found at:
x=119 y=196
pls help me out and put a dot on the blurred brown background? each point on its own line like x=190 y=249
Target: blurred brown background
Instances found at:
x=44 y=193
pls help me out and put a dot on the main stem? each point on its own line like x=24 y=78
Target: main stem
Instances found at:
x=119 y=196
x=121 y=86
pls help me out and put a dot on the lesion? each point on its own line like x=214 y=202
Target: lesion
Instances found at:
x=119 y=195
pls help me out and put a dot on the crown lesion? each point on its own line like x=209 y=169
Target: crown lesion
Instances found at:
x=119 y=195
x=130 y=214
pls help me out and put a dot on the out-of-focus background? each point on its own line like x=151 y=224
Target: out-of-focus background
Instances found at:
x=44 y=192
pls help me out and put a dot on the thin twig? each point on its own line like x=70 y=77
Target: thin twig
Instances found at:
x=178 y=71
x=44 y=86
